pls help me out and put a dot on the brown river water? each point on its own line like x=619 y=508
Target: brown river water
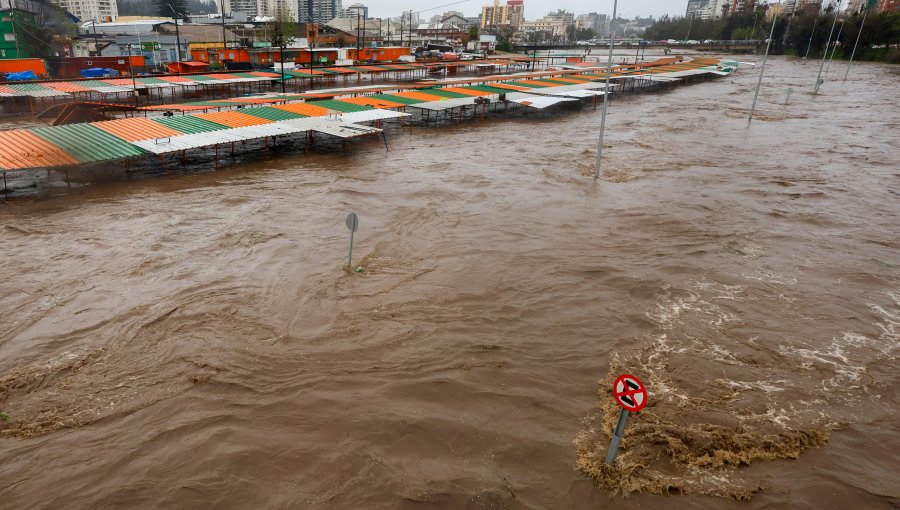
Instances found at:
x=193 y=340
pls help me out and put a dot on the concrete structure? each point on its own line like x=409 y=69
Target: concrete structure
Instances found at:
x=511 y=15
x=317 y=11
x=593 y=21
x=86 y=10
x=354 y=11
x=249 y=8
x=554 y=23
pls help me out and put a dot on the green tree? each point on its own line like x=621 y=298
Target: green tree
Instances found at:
x=282 y=31
x=473 y=32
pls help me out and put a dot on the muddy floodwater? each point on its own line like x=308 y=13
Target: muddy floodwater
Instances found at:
x=194 y=341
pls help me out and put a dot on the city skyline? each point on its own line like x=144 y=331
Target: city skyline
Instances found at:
x=533 y=8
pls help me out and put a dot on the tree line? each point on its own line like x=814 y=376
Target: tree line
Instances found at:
x=804 y=33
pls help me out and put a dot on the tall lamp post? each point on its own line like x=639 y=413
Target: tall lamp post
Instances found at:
x=224 y=43
x=177 y=40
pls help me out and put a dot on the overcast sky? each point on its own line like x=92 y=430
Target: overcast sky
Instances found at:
x=533 y=8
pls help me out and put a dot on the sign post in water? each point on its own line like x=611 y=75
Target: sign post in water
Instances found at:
x=631 y=394
x=353 y=225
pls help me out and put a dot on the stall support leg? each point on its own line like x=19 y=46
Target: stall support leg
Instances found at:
x=383 y=136
x=216 y=164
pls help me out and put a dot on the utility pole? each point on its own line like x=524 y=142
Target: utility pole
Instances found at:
x=690 y=24
x=177 y=39
x=762 y=70
x=853 y=53
x=224 y=40
x=96 y=44
x=612 y=30
x=133 y=81
x=825 y=54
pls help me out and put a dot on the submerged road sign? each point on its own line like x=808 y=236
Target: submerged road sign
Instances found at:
x=352 y=222
x=630 y=393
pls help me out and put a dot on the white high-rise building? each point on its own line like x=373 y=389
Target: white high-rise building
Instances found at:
x=318 y=11
x=91 y=10
x=248 y=7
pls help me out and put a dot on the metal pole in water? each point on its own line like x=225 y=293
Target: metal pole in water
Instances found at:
x=762 y=70
x=612 y=29
x=827 y=43
x=853 y=53
x=617 y=437
x=834 y=47
x=352 y=224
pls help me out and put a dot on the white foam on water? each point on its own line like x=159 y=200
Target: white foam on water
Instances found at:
x=769 y=276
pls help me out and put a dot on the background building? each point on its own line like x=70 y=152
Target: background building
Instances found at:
x=354 y=11
x=593 y=21
x=248 y=8
x=511 y=14
x=11 y=43
x=86 y=10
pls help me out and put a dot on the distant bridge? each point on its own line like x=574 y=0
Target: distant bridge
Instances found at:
x=720 y=46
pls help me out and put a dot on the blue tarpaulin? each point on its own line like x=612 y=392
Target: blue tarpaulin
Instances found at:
x=22 y=76
x=99 y=72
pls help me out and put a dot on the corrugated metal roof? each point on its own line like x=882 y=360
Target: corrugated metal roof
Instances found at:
x=87 y=143
x=233 y=119
x=197 y=140
x=539 y=102
x=137 y=128
x=336 y=105
x=371 y=115
x=308 y=109
x=466 y=91
x=273 y=114
x=394 y=98
x=445 y=104
x=444 y=93
x=415 y=94
x=332 y=127
x=65 y=86
x=20 y=149
x=375 y=101
x=189 y=124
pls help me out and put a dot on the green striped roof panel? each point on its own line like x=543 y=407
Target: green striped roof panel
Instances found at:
x=341 y=106
x=444 y=93
x=93 y=83
x=88 y=143
x=488 y=89
x=190 y=125
x=529 y=85
x=398 y=99
x=26 y=87
x=273 y=114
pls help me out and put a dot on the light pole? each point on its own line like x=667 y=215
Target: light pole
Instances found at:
x=177 y=40
x=133 y=81
x=224 y=43
x=612 y=30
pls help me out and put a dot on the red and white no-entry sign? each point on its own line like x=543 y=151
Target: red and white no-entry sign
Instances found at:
x=630 y=392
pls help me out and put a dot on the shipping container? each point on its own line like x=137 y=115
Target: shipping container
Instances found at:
x=71 y=67
x=17 y=65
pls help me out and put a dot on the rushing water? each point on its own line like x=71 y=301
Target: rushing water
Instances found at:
x=194 y=341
